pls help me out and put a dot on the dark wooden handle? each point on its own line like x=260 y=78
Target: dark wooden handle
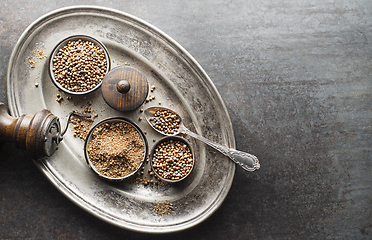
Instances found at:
x=7 y=124
x=30 y=132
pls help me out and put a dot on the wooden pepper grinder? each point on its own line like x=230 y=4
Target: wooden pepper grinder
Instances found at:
x=38 y=134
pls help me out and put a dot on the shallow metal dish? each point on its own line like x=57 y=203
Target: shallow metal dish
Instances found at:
x=89 y=139
x=165 y=139
x=180 y=84
x=63 y=43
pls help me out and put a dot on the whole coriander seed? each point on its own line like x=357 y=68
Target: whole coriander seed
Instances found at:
x=79 y=66
x=172 y=160
x=165 y=121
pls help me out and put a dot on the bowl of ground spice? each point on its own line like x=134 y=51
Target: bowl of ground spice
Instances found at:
x=78 y=64
x=116 y=148
x=172 y=159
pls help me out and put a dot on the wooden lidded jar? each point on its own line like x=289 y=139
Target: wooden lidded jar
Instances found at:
x=124 y=88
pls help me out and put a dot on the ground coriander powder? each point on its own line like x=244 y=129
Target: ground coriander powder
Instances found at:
x=116 y=150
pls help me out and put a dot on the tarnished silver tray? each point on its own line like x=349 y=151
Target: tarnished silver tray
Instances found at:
x=181 y=84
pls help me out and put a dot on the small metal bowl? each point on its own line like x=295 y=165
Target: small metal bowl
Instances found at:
x=89 y=139
x=166 y=139
x=63 y=43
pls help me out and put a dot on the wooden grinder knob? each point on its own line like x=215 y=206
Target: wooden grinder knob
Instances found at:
x=123 y=86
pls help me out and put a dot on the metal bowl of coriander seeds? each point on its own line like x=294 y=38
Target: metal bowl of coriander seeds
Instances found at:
x=172 y=159
x=78 y=64
x=116 y=148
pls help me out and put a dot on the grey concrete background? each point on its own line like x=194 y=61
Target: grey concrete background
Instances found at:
x=296 y=78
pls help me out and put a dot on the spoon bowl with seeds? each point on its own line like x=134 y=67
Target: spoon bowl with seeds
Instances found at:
x=169 y=123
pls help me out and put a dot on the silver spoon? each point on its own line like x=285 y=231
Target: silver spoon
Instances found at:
x=245 y=160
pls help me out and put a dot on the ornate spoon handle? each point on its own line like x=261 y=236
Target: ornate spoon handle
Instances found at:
x=245 y=160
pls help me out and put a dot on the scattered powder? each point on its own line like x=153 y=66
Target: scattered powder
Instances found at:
x=82 y=125
x=38 y=53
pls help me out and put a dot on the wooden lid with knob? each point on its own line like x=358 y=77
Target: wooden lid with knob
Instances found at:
x=124 y=88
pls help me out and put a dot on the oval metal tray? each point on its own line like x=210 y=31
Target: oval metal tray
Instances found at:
x=181 y=84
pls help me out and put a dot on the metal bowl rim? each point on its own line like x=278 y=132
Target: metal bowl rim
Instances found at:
x=168 y=138
x=62 y=43
x=115 y=119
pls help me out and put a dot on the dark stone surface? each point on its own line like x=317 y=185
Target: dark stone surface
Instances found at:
x=296 y=79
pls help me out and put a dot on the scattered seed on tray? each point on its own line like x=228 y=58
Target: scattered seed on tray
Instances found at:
x=38 y=53
x=162 y=208
x=81 y=125
x=31 y=62
x=59 y=98
x=152 y=88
